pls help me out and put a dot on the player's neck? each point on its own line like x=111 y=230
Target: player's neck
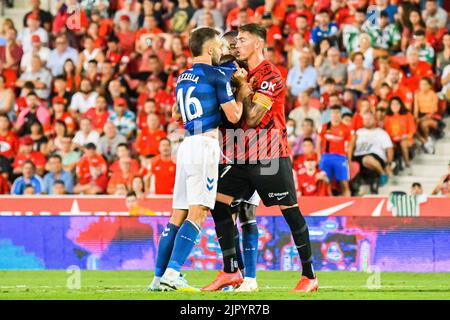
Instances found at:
x=254 y=60
x=202 y=59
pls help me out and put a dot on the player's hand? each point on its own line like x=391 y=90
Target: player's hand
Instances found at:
x=240 y=76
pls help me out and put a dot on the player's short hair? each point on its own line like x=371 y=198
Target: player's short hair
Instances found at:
x=255 y=29
x=199 y=37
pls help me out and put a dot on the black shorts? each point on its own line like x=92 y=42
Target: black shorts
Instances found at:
x=273 y=179
x=377 y=157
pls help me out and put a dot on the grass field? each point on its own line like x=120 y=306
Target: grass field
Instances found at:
x=273 y=285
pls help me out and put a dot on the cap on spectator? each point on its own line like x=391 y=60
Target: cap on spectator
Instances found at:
x=35 y=38
x=124 y=17
x=120 y=101
x=311 y=157
x=26 y=141
x=59 y=99
x=267 y=15
x=33 y=16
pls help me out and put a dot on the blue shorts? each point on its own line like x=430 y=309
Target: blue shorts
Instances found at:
x=335 y=165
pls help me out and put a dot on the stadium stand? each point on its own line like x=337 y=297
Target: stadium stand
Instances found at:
x=103 y=73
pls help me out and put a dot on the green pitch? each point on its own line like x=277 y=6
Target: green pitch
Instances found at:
x=273 y=285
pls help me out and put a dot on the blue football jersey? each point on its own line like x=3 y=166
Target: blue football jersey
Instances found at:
x=200 y=92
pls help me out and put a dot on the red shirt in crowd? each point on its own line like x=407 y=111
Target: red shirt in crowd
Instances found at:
x=68 y=120
x=86 y=167
x=415 y=74
x=4 y=185
x=9 y=145
x=134 y=167
x=334 y=139
x=36 y=157
x=164 y=175
x=98 y=120
x=147 y=143
x=309 y=185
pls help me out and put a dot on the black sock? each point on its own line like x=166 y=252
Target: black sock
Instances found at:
x=300 y=233
x=237 y=245
x=225 y=234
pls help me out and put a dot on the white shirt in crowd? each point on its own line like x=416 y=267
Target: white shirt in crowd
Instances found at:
x=81 y=140
x=24 y=37
x=82 y=104
x=25 y=63
x=375 y=141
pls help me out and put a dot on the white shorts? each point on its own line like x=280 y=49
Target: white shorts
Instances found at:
x=197 y=172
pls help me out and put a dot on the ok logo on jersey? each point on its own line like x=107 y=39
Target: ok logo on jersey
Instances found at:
x=266 y=85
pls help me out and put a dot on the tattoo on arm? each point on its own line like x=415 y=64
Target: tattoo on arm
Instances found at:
x=253 y=112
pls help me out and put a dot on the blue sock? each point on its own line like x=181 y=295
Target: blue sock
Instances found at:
x=250 y=246
x=165 y=247
x=184 y=243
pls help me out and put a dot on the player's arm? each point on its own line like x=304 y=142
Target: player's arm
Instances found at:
x=231 y=107
x=176 y=115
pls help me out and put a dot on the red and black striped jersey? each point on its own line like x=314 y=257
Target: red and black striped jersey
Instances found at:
x=269 y=139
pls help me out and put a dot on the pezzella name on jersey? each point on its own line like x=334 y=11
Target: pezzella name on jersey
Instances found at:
x=188 y=77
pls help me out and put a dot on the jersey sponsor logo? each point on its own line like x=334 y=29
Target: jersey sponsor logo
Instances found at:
x=266 y=85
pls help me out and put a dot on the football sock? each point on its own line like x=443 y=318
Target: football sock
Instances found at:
x=237 y=245
x=225 y=235
x=165 y=247
x=250 y=246
x=185 y=241
x=300 y=233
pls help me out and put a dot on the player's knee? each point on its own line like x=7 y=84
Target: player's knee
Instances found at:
x=221 y=212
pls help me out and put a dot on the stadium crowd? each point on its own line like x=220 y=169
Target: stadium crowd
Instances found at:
x=86 y=95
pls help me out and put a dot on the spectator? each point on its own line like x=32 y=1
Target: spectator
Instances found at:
x=347 y=119
x=398 y=89
x=359 y=77
x=335 y=101
x=443 y=57
x=55 y=173
x=433 y=11
x=126 y=34
x=59 y=131
x=384 y=35
x=415 y=70
x=380 y=75
x=372 y=148
x=351 y=32
x=425 y=106
x=60 y=91
x=332 y=68
x=161 y=179
x=6 y=97
x=91 y=172
x=147 y=142
x=37 y=48
x=26 y=153
x=208 y=6
x=89 y=53
x=333 y=138
x=108 y=143
x=40 y=77
x=98 y=114
x=122 y=176
x=181 y=15
x=58 y=188
x=324 y=28
x=33 y=28
x=303 y=111
x=311 y=181
x=363 y=107
x=290 y=130
x=86 y=134
x=426 y=52
x=84 y=99
x=443 y=186
x=138 y=186
x=40 y=141
x=416 y=189
x=302 y=77
x=123 y=152
x=382 y=6
x=399 y=124
x=274 y=35
x=414 y=23
x=122 y=118
x=69 y=73
x=60 y=114
x=45 y=17
x=60 y=54
x=308 y=131
x=5 y=187
x=28 y=178
x=69 y=157
x=9 y=143
x=128 y=14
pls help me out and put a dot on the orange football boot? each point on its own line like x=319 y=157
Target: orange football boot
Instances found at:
x=224 y=279
x=306 y=285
